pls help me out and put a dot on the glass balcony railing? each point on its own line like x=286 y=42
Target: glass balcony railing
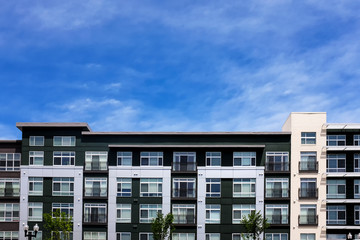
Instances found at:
x=277 y=167
x=310 y=193
x=184 y=167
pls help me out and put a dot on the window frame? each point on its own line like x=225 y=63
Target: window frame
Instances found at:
x=212 y=213
x=103 y=160
x=272 y=159
x=177 y=210
x=121 y=182
x=176 y=191
x=244 y=159
x=120 y=237
x=305 y=236
x=336 y=157
x=32 y=214
x=9 y=235
x=189 y=236
x=306 y=159
x=308 y=138
x=244 y=183
x=244 y=209
x=63 y=181
x=334 y=140
x=63 y=141
x=211 y=182
x=212 y=236
x=151 y=209
x=32 y=181
x=10 y=216
x=124 y=157
x=337 y=183
x=356 y=162
x=122 y=208
x=152 y=158
x=149 y=236
x=336 y=209
x=271 y=235
x=211 y=157
x=34 y=141
x=94 y=235
x=36 y=158
x=15 y=190
x=10 y=161
x=88 y=212
x=356 y=140
x=68 y=207
x=63 y=156
x=271 y=183
x=149 y=182
x=89 y=186
x=284 y=212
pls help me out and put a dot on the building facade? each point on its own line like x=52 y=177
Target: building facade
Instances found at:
x=304 y=180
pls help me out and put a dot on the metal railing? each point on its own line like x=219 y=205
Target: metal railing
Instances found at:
x=184 y=167
x=308 y=166
x=277 y=167
x=308 y=220
x=311 y=193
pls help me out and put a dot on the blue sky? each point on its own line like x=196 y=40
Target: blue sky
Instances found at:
x=177 y=65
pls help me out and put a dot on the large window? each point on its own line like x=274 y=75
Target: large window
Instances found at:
x=335 y=140
x=277 y=187
x=150 y=187
x=307 y=236
x=94 y=235
x=151 y=158
x=212 y=236
x=183 y=236
x=308 y=161
x=308 y=214
x=184 y=213
x=335 y=214
x=36 y=141
x=277 y=213
x=10 y=161
x=35 y=211
x=96 y=187
x=244 y=187
x=240 y=236
x=9 y=187
x=357 y=140
x=308 y=138
x=241 y=210
x=335 y=236
x=9 y=235
x=335 y=188
x=276 y=236
x=184 y=161
x=123 y=236
x=63 y=186
x=277 y=161
x=146 y=236
x=148 y=212
x=67 y=208
x=123 y=213
x=95 y=212
x=184 y=187
x=35 y=186
x=244 y=158
x=9 y=212
x=124 y=158
x=356 y=162
x=64 y=158
x=308 y=188
x=336 y=163
x=64 y=140
x=213 y=158
x=357 y=214
x=124 y=187
x=356 y=188
x=213 y=213
x=36 y=158
x=96 y=161
x=213 y=187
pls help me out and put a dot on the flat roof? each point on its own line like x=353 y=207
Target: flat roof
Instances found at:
x=339 y=126
x=186 y=133
x=21 y=125
x=184 y=146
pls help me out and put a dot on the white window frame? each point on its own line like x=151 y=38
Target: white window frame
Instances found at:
x=357 y=162
x=88 y=212
x=94 y=235
x=121 y=210
x=284 y=212
x=305 y=210
x=35 y=207
x=337 y=209
x=9 y=235
x=89 y=186
x=281 y=236
x=244 y=183
x=335 y=236
x=121 y=182
x=151 y=209
x=276 y=156
x=71 y=235
x=68 y=141
x=213 y=159
x=124 y=159
x=154 y=187
x=244 y=159
x=120 y=236
x=149 y=236
x=64 y=157
x=356 y=140
x=307 y=236
x=36 y=158
x=308 y=138
x=189 y=181
x=212 y=213
x=337 y=158
x=212 y=236
x=183 y=236
x=67 y=208
x=103 y=160
x=152 y=158
x=33 y=181
x=36 y=141
x=15 y=187
x=63 y=181
x=10 y=161
x=336 y=140
x=239 y=236
x=9 y=212
x=307 y=158
x=356 y=188
x=244 y=209
x=180 y=213
x=190 y=161
x=209 y=183
x=270 y=187
x=337 y=183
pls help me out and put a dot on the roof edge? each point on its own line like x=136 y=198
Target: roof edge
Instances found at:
x=21 y=125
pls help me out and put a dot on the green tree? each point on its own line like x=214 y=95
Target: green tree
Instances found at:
x=254 y=225
x=162 y=227
x=56 y=222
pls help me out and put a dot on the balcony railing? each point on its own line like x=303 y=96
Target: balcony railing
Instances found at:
x=281 y=193
x=310 y=193
x=308 y=220
x=10 y=192
x=189 y=219
x=183 y=193
x=96 y=166
x=308 y=166
x=277 y=219
x=184 y=167
x=277 y=167
x=95 y=218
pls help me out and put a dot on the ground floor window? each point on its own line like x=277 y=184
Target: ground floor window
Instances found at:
x=9 y=235
x=183 y=236
x=123 y=236
x=276 y=236
x=307 y=236
x=94 y=235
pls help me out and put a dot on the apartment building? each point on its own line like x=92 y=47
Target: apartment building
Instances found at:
x=304 y=180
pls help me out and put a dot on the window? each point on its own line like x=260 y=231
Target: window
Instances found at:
x=308 y=161
x=356 y=188
x=357 y=162
x=335 y=214
x=244 y=187
x=213 y=158
x=335 y=236
x=183 y=236
x=123 y=236
x=124 y=187
x=150 y=187
x=244 y=158
x=307 y=236
x=276 y=213
x=151 y=158
x=64 y=140
x=357 y=214
x=335 y=140
x=96 y=187
x=336 y=163
x=63 y=186
x=96 y=161
x=148 y=212
x=239 y=236
x=277 y=187
x=68 y=236
x=67 y=208
x=276 y=236
x=64 y=158
x=184 y=187
x=308 y=188
x=36 y=141
x=308 y=138
x=212 y=213
x=10 y=161
x=335 y=188
x=277 y=161
x=35 y=211
x=184 y=213
x=357 y=140
x=9 y=187
x=146 y=236
x=35 y=186
x=241 y=210
x=212 y=236
x=308 y=214
x=9 y=235
x=9 y=212
x=124 y=158
x=184 y=161
x=36 y=158
x=94 y=235
x=213 y=187
x=95 y=212
x=123 y=213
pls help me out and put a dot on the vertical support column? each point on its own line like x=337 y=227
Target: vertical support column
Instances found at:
x=112 y=203
x=78 y=203
x=24 y=190
x=201 y=205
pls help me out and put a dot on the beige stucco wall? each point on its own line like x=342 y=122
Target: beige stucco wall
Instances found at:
x=307 y=122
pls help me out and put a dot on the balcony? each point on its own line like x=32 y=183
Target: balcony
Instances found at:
x=184 y=167
x=184 y=220
x=95 y=218
x=277 y=219
x=308 y=193
x=96 y=166
x=308 y=220
x=277 y=167
x=10 y=192
x=277 y=193
x=184 y=193
x=308 y=166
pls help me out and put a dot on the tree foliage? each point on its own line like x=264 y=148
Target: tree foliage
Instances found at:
x=161 y=226
x=254 y=225
x=58 y=224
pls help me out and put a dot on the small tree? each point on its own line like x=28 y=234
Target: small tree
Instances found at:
x=254 y=225
x=161 y=226
x=56 y=222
